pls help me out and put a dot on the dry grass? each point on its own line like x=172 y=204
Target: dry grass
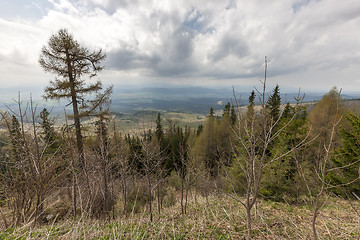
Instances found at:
x=217 y=218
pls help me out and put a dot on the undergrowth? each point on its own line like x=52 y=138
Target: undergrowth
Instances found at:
x=215 y=218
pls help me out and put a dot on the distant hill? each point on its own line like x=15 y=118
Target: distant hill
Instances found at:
x=191 y=99
x=169 y=99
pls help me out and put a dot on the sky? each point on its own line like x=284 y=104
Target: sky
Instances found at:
x=309 y=44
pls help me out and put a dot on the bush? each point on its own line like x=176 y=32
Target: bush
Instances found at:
x=137 y=198
x=174 y=181
x=169 y=197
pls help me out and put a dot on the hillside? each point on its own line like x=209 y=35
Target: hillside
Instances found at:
x=217 y=217
x=156 y=174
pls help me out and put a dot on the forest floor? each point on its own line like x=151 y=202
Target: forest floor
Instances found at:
x=212 y=218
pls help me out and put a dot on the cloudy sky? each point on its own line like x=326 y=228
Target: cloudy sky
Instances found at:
x=312 y=44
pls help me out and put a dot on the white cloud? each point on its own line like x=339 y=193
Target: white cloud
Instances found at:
x=189 y=41
x=64 y=6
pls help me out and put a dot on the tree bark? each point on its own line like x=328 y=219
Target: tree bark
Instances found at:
x=79 y=142
x=182 y=196
x=124 y=193
x=150 y=200
x=158 y=198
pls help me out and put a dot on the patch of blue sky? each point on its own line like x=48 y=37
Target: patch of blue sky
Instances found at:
x=25 y=9
x=299 y=4
x=195 y=21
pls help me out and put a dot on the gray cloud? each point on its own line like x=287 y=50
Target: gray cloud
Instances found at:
x=222 y=40
x=126 y=59
x=172 y=58
x=176 y=54
x=230 y=45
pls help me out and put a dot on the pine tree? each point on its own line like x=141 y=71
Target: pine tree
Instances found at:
x=287 y=110
x=347 y=158
x=208 y=142
x=281 y=180
x=159 y=130
x=199 y=130
x=51 y=140
x=273 y=104
x=233 y=115
x=224 y=138
x=135 y=154
x=226 y=109
x=17 y=141
x=250 y=113
x=70 y=62
x=211 y=113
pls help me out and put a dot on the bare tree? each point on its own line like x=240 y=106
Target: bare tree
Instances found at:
x=253 y=136
x=325 y=167
x=181 y=164
x=32 y=169
x=120 y=151
x=151 y=159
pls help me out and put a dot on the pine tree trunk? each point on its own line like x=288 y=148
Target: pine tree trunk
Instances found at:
x=79 y=141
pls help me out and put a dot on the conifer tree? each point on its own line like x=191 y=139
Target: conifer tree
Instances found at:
x=199 y=130
x=51 y=141
x=273 y=104
x=226 y=109
x=251 y=156
x=70 y=62
x=223 y=141
x=208 y=143
x=251 y=107
x=347 y=159
x=281 y=180
x=287 y=111
x=211 y=113
x=159 y=130
x=233 y=115
x=16 y=139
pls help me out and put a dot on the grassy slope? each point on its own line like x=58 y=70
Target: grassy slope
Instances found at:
x=142 y=122
x=219 y=218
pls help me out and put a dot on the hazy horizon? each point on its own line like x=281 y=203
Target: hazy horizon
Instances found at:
x=310 y=44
